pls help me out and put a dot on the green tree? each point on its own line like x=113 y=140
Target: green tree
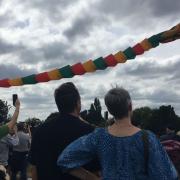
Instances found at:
x=93 y=115
x=156 y=120
x=167 y=115
x=52 y=116
x=177 y=124
x=162 y=117
x=33 y=122
x=155 y=124
x=141 y=116
x=4 y=110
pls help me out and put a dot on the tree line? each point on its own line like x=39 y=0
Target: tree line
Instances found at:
x=154 y=119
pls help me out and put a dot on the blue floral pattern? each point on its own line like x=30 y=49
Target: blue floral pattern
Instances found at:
x=121 y=158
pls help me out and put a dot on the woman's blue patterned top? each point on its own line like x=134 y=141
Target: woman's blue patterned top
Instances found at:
x=121 y=158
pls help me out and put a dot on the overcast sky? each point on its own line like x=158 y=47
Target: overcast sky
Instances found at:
x=40 y=35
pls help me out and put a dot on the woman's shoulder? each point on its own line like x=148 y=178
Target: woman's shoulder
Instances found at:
x=152 y=137
x=97 y=132
x=151 y=140
x=143 y=135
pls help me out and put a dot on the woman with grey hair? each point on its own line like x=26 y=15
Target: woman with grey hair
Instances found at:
x=124 y=151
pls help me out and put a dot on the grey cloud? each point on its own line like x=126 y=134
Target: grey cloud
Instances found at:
x=52 y=9
x=52 y=55
x=88 y=93
x=160 y=95
x=152 y=70
x=130 y=8
x=22 y=24
x=8 y=20
x=12 y=71
x=54 y=50
x=80 y=27
x=31 y=99
x=174 y=79
x=84 y=24
x=156 y=97
x=121 y=8
x=6 y=47
x=164 y=96
x=140 y=13
x=59 y=54
x=51 y=6
x=31 y=56
x=165 y=7
x=5 y=19
x=100 y=91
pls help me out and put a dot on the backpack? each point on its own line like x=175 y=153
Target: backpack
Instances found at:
x=173 y=149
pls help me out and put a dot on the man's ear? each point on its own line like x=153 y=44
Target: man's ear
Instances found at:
x=130 y=106
x=79 y=105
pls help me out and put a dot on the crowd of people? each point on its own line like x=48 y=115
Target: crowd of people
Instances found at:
x=14 y=149
x=67 y=148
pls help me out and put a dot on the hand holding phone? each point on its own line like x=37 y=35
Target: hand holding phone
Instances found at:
x=15 y=97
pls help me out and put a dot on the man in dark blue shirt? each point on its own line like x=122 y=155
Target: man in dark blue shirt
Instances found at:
x=53 y=136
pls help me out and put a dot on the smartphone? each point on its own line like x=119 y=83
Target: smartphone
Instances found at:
x=15 y=96
x=106 y=115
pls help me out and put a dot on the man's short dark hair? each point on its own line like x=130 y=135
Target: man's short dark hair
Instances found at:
x=20 y=126
x=118 y=102
x=66 y=97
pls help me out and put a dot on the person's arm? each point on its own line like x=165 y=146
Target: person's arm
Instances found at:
x=159 y=166
x=83 y=174
x=78 y=153
x=30 y=135
x=14 y=118
x=34 y=172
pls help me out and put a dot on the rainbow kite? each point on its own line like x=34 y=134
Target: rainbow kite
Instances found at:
x=100 y=63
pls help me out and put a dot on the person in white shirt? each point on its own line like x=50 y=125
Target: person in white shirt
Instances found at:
x=20 y=153
x=5 y=143
x=3 y=173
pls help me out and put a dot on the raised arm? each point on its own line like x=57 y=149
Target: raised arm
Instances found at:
x=160 y=166
x=77 y=154
x=83 y=174
x=14 y=118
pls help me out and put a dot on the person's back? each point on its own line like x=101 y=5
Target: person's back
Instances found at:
x=5 y=143
x=54 y=135
x=123 y=150
x=50 y=139
x=20 y=152
x=3 y=174
x=120 y=157
x=24 y=142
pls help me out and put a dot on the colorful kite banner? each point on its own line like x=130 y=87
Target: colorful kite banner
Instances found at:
x=100 y=63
